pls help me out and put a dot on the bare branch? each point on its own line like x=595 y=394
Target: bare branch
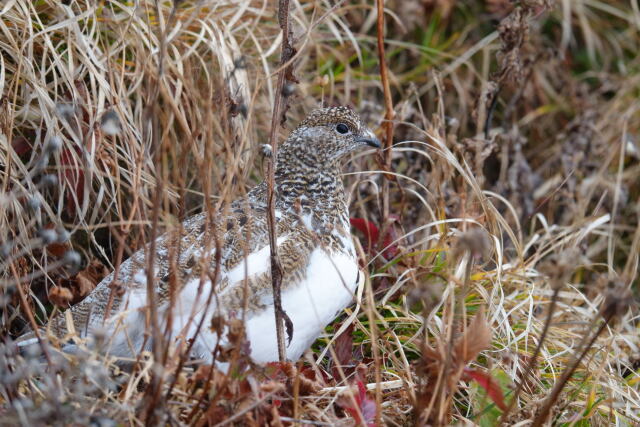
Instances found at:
x=285 y=74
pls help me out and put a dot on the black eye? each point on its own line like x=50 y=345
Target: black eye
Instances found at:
x=342 y=128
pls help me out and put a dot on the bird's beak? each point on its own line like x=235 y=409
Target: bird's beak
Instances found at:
x=369 y=138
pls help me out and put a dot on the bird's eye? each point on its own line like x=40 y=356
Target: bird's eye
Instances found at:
x=342 y=128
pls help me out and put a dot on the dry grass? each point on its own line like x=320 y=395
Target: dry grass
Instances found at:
x=510 y=199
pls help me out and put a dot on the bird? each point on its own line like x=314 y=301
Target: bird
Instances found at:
x=223 y=265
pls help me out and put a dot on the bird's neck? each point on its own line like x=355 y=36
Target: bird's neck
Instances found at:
x=306 y=182
x=320 y=183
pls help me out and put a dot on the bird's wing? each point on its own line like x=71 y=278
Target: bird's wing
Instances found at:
x=250 y=278
x=131 y=276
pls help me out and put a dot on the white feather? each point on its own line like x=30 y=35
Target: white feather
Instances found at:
x=311 y=305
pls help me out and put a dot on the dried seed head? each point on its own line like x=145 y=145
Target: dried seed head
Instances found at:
x=34 y=203
x=475 y=241
x=238 y=108
x=5 y=250
x=60 y=296
x=66 y=110
x=452 y=122
x=54 y=144
x=266 y=151
x=288 y=90
x=240 y=62
x=110 y=123
x=72 y=258
x=559 y=267
x=426 y=293
x=322 y=80
x=617 y=298
x=236 y=330
x=63 y=235
x=48 y=235
x=217 y=324
x=49 y=180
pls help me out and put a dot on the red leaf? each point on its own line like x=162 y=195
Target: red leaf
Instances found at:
x=308 y=373
x=372 y=234
x=74 y=177
x=367 y=407
x=21 y=145
x=485 y=381
x=391 y=236
x=344 y=347
x=274 y=370
x=56 y=249
x=367 y=228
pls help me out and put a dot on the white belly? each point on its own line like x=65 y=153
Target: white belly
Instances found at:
x=311 y=305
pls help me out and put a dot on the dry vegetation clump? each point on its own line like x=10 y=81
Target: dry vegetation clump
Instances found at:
x=501 y=231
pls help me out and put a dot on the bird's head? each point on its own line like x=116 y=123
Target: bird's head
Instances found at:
x=328 y=134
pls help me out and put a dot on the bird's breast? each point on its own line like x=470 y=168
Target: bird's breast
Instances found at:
x=328 y=287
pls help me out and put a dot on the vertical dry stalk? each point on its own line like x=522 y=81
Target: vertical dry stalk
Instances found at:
x=286 y=54
x=375 y=348
x=388 y=106
x=542 y=416
x=159 y=147
x=27 y=309
x=387 y=142
x=534 y=357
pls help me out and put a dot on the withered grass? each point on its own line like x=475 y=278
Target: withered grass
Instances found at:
x=507 y=204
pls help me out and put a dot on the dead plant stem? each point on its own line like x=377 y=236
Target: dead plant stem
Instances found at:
x=27 y=309
x=276 y=269
x=534 y=357
x=389 y=113
x=557 y=388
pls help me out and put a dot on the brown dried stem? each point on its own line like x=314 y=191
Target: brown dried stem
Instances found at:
x=27 y=309
x=388 y=106
x=157 y=143
x=557 y=388
x=534 y=357
x=286 y=54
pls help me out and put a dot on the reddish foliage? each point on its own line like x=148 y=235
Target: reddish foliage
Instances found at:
x=73 y=175
x=372 y=236
x=278 y=371
x=485 y=381
x=21 y=145
x=81 y=284
x=366 y=410
x=60 y=296
x=57 y=249
x=343 y=350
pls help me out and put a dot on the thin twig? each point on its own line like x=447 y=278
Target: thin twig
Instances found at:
x=388 y=106
x=387 y=142
x=544 y=412
x=276 y=269
x=534 y=357
x=157 y=338
x=27 y=309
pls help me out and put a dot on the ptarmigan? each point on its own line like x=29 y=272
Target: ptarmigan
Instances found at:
x=320 y=269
